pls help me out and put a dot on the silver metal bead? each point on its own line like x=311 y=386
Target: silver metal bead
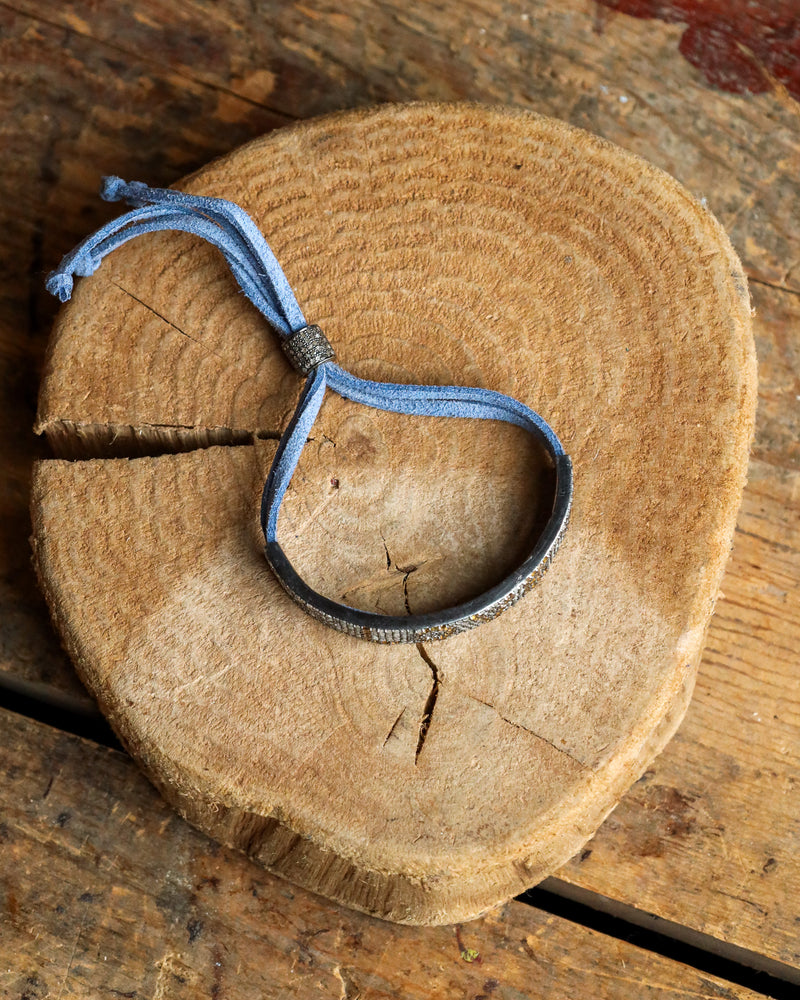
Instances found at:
x=307 y=348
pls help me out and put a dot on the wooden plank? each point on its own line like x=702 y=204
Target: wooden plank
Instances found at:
x=105 y=892
x=740 y=153
x=741 y=46
x=776 y=328
x=613 y=74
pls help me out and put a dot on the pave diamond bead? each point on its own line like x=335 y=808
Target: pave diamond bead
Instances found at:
x=306 y=348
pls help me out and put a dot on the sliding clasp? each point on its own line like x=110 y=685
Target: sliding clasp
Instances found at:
x=306 y=348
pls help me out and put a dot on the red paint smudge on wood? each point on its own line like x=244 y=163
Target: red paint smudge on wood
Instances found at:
x=742 y=46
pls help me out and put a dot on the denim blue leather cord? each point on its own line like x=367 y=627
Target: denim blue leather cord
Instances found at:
x=229 y=228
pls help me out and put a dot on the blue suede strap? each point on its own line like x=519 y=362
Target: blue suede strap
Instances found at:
x=230 y=229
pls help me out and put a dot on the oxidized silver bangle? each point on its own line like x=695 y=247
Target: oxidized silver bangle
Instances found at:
x=440 y=624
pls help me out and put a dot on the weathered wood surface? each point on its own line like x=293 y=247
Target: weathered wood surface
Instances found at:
x=740 y=46
x=620 y=77
x=226 y=72
x=105 y=892
x=58 y=133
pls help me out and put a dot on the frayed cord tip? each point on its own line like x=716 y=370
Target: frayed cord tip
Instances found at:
x=136 y=193
x=59 y=284
x=112 y=188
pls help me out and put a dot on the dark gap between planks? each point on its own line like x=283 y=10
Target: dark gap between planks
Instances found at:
x=56 y=709
x=673 y=941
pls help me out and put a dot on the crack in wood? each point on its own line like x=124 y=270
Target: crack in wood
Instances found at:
x=405 y=588
x=392 y=567
x=430 y=702
x=525 y=729
x=169 y=322
x=772 y=285
x=395 y=724
x=84 y=442
x=386 y=550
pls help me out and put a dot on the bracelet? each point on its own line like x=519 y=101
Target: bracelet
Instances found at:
x=229 y=228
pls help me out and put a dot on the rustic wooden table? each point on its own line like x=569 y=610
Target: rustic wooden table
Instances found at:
x=104 y=891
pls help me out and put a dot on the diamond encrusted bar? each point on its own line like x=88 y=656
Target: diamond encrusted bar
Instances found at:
x=306 y=348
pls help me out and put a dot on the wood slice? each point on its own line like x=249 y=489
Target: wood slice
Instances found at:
x=436 y=244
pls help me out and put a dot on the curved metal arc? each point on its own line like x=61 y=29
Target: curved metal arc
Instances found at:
x=435 y=625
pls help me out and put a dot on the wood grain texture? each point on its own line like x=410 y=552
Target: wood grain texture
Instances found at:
x=506 y=250
x=716 y=831
x=185 y=87
x=106 y=892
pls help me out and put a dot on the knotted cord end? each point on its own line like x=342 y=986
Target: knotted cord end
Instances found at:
x=112 y=189
x=59 y=283
x=116 y=189
x=307 y=348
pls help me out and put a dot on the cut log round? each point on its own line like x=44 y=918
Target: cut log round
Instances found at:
x=446 y=244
